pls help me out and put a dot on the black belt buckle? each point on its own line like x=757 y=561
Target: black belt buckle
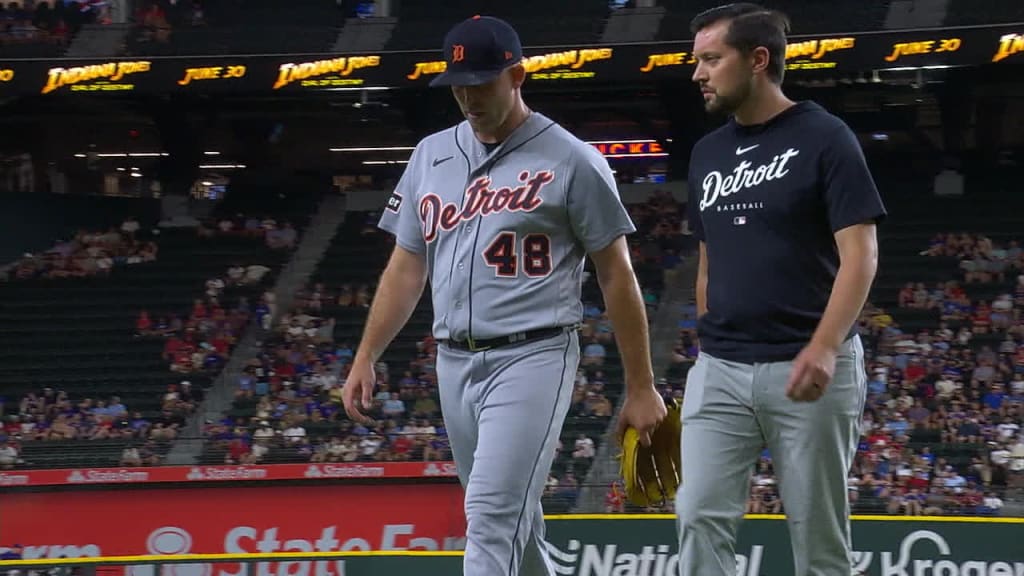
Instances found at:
x=471 y=345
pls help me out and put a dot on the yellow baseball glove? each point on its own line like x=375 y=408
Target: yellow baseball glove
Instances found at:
x=651 y=474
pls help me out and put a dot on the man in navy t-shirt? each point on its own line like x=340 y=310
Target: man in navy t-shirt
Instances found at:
x=785 y=210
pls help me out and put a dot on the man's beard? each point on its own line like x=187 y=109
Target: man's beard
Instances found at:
x=728 y=105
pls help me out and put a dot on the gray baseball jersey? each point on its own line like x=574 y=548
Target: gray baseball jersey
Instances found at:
x=505 y=231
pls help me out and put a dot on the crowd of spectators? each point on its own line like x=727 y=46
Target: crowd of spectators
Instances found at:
x=201 y=342
x=981 y=259
x=293 y=389
x=196 y=343
x=276 y=235
x=958 y=386
x=88 y=253
x=657 y=246
x=51 y=415
x=152 y=22
x=48 y=21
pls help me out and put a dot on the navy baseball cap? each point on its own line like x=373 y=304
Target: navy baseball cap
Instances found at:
x=477 y=50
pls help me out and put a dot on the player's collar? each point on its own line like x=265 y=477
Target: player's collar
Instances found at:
x=477 y=152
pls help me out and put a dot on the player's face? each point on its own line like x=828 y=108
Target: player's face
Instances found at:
x=486 y=107
x=723 y=73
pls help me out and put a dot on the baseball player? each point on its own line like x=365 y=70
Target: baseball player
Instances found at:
x=785 y=210
x=499 y=213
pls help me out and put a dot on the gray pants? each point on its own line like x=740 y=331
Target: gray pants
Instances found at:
x=503 y=410
x=730 y=412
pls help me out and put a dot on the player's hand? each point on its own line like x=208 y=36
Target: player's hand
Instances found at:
x=358 y=391
x=812 y=373
x=643 y=410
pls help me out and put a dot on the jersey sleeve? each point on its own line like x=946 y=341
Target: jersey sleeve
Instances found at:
x=851 y=196
x=399 y=216
x=596 y=213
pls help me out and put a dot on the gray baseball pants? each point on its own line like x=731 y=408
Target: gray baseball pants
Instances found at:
x=503 y=410
x=730 y=412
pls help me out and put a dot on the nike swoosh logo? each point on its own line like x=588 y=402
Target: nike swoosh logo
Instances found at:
x=438 y=161
x=741 y=151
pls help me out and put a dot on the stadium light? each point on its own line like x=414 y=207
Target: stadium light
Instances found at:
x=374 y=149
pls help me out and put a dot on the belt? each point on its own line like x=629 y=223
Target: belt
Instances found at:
x=474 y=345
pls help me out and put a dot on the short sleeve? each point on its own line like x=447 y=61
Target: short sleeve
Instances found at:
x=400 y=217
x=850 y=192
x=693 y=198
x=596 y=213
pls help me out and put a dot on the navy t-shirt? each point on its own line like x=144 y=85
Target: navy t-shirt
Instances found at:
x=766 y=201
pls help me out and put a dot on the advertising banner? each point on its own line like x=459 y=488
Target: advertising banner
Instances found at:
x=253 y=473
x=242 y=520
x=858 y=52
x=891 y=546
x=236 y=519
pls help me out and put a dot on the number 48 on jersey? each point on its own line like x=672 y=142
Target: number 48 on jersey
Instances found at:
x=507 y=257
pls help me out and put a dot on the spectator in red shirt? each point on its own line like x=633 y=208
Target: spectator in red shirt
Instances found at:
x=915 y=370
x=171 y=347
x=285 y=370
x=238 y=452
x=220 y=344
x=401 y=447
x=919 y=480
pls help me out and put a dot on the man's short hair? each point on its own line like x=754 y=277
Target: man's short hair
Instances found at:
x=751 y=26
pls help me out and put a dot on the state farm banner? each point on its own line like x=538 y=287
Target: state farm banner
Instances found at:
x=165 y=474
x=235 y=519
x=342 y=518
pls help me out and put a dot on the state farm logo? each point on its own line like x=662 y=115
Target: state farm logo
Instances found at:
x=344 y=471
x=226 y=473
x=13 y=479
x=168 y=540
x=105 y=476
x=273 y=539
x=444 y=469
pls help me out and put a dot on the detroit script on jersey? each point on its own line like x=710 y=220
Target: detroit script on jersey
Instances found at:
x=484 y=200
x=744 y=176
x=505 y=232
